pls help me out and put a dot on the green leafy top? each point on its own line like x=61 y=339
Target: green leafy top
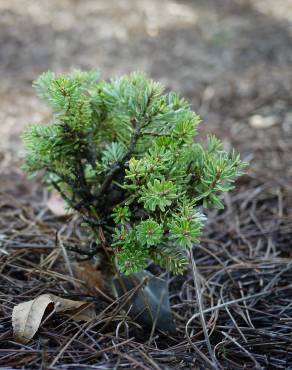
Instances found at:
x=122 y=154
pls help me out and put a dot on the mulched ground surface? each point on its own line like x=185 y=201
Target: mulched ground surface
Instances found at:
x=245 y=267
x=232 y=59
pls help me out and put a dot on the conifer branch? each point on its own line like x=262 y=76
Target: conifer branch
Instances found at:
x=122 y=154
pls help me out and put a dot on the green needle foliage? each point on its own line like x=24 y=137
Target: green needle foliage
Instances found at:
x=122 y=154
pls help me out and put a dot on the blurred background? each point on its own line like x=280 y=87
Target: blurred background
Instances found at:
x=232 y=59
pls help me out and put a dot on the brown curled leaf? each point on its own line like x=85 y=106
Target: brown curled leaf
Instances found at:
x=27 y=316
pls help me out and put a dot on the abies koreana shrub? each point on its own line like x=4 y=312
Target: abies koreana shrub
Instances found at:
x=122 y=154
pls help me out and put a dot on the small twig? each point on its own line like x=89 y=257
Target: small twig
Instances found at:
x=200 y=306
x=257 y=365
x=65 y=255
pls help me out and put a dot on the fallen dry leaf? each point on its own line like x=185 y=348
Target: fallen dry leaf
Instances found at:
x=27 y=316
x=57 y=205
x=90 y=275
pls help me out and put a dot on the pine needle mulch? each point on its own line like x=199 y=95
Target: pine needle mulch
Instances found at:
x=243 y=269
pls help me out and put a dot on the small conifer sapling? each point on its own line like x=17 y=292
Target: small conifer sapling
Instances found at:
x=122 y=153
